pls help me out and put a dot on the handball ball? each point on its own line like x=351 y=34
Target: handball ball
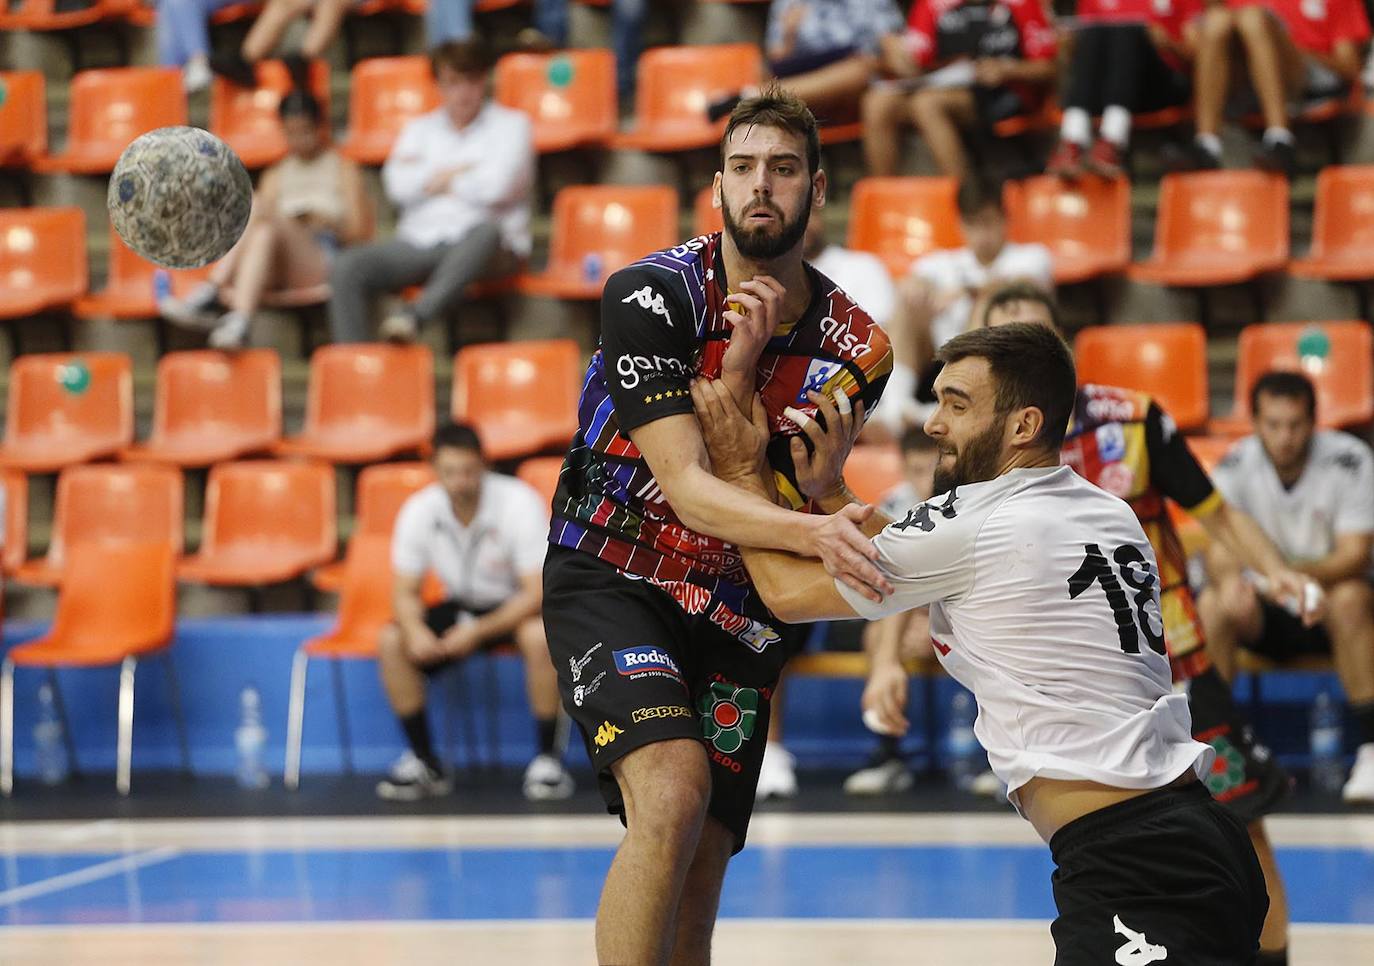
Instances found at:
x=180 y=197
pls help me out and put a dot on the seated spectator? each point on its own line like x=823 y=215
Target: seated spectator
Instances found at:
x=907 y=633
x=461 y=176
x=550 y=32
x=1312 y=492
x=862 y=275
x=326 y=17
x=484 y=536
x=307 y=206
x=1128 y=58
x=962 y=65
x=1294 y=50
x=935 y=301
x=183 y=39
x=824 y=51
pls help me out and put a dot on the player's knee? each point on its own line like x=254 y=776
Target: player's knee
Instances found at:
x=1350 y=604
x=669 y=787
x=929 y=107
x=879 y=106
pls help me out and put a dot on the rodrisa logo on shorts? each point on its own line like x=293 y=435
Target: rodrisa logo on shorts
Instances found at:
x=662 y=711
x=606 y=734
x=646 y=661
x=727 y=715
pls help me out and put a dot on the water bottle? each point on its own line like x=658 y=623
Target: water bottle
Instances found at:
x=249 y=739
x=962 y=744
x=591 y=267
x=1328 y=768
x=162 y=286
x=49 y=750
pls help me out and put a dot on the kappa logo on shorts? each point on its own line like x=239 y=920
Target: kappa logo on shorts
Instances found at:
x=646 y=661
x=576 y=665
x=728 y=712
x=662 y=711
x=606 y=734
x=1137 y=951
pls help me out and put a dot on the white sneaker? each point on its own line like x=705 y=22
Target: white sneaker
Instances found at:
x=231 y=332
x=410 y=780
x=778 y=774
x=400 y=327
x=1359 y=788
x=546 y=780
x=196 y=75
x=197 y=311
x=883 y=778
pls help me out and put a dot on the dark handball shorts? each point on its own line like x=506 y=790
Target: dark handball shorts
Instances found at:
x=1167 y=877
x=635 y=668
x=1284 y=637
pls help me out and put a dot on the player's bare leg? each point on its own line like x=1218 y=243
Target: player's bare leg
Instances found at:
x=1274 y=938
x=666 y=787
x=696 y=917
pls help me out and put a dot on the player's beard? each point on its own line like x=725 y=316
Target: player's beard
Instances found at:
x=976 y=461
x=757 y=243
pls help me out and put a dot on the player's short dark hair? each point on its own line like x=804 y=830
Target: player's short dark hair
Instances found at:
x=976 y=193
x=915 y=440
x=1013 y=292
x=1286 y=385
x=300 y=103
x=471 y=57
x=457 y=436
x=1032 y=366
x=775 y=106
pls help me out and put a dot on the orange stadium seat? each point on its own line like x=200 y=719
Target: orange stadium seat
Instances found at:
x=140 y=14
x=247 y=120
x=213 y=406
x=385 y=94
x=266 y=521
x=42 y=260
x=520 y=396
x=67 y=408
x=1217 y=228
x=128 y=291
x=871 y=471
x=43 y=15
x=674 y=86
x=108 y=503
x=1343 y=374
x=111 y=107
x=901 y=219
x=706 y=218
x=23 y=118
x=1086 y=226
x=1342 y=227
x=382 y=489
x=542 y=473
x=15 y=486
x=598 y=229
x=570 y=96
x=365 y=403
x=1167 y=360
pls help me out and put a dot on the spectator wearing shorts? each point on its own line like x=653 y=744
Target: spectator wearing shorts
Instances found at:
x=483 y=535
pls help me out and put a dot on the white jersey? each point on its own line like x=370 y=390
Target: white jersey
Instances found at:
x=1334 y=495
x=1045 y=604
x=481 y=565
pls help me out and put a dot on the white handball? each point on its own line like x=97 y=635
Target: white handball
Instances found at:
x=179 y=197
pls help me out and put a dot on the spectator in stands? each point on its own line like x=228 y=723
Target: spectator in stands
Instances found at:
x=961 y=66
x=1128 y=58
x=1294 y=50
x=824 y=51
x=861 y=274
x=326 y=17
x=1312 y=492
x=887 y=772
x=484 y=536
x=307 y=206
x=183 y=39
x=461 y=176
x=935 y=301
x=550 y=31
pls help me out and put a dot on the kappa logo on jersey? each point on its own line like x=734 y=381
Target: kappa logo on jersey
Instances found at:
x=646 y=661
x=1137 y=951
x=606 y=734
x=919 y=517
x=651 y=300
x=1111 y=442
x=818 y=373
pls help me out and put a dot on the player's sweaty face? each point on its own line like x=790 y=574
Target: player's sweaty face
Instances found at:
x=1284 y=427
x=460 y=473
x=766 y=190
x=966 y=426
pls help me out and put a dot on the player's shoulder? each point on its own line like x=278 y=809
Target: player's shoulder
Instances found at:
x=686 y=257
x=846 y=326
x=1098 y=404
x=1336 y=451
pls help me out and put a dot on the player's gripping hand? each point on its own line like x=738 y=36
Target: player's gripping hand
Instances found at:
x=884 y=699
x=735 y=444
x=846 y=553
x=820 y=473
x=754 y=312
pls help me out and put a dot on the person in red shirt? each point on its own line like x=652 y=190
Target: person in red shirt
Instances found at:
x=1129 y=57
x=960 y=65
x=1293 y=49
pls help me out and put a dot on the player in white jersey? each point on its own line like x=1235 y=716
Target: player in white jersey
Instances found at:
x=1045 y=603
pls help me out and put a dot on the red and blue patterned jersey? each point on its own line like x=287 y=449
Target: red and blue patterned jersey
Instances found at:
x=661 y=326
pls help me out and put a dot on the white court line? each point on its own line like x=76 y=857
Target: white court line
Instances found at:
x=94 y=873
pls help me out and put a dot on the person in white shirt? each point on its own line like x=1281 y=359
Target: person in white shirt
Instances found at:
x=483 y=536
x=1312 y=492
x=935 y=301
x=862 y=275
x=461 y=176
x=1044 y=602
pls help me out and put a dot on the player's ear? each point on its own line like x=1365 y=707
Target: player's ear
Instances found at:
x=819 y=185
x=1025 y=426
x=716 y=200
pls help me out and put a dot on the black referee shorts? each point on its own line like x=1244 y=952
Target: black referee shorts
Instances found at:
x=1167 y=877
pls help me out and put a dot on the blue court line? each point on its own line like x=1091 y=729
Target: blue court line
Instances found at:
x=805 y=882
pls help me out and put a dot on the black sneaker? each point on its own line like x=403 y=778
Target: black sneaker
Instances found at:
x=411 y=780
x=1191 y=156
x=1280 y=157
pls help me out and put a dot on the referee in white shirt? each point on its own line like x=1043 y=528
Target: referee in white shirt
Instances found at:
x=1045 y=603
x=484 y=536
